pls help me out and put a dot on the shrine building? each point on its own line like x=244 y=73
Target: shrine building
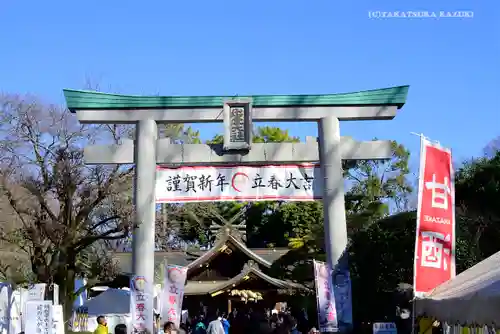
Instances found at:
x=228 y=275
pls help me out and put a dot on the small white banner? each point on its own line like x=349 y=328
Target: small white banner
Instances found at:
x=173 y=293
x=36 y=292
x=39 y=317
x=141 y=302
x=239 y=183
x=325 y=298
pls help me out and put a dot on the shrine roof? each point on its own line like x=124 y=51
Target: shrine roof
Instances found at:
x=251 y=270
x=223 y=239
x=201 y=287
x=81 y=100
x=181 y=258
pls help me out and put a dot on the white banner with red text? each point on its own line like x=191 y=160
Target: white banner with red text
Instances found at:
x=434 y=261
x=239 y=183
x=173 y=294
x=327 y=313
x=141 y=304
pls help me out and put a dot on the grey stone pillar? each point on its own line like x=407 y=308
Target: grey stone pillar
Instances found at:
x=143 y=242
x=333 y=190
x=334 y=211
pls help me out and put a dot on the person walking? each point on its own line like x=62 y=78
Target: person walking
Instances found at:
x=292 y=324
x=215 y=326
x=225 y=323
x=199 y=327
x=102 y=325
x=169 y=327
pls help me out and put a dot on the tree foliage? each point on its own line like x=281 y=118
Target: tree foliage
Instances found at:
x=263 y=134
x=382 y=181
x=56 y=211
x=381 y=255
x=477 y=189
x=170 y=227
x=374 y=189
x=179 y=134
x=60 y=217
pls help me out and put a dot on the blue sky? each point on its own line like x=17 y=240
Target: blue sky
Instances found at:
x=269 y=47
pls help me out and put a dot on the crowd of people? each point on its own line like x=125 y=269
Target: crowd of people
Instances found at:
x=248 y=322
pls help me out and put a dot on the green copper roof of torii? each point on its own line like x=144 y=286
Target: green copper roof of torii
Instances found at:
x=80 y=100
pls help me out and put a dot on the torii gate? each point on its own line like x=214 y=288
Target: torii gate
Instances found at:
x=238 y=114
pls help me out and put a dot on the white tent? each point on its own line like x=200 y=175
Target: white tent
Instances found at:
x=114 y=301
x=114 y=304
x=473 y=297
x=111 y=301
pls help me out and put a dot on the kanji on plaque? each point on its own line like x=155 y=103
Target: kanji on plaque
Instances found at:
x=435 y=242
x=246 y=183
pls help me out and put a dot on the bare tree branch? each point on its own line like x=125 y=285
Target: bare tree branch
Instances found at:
x=58 y=211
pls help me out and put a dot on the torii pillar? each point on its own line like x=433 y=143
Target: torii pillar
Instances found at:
x=148 y=151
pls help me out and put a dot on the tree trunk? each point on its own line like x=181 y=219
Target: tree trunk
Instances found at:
x=66 y=294
x=65 y=277
x=476 y=242
x=39 y=267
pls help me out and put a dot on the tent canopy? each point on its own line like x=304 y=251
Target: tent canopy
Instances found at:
x=111 y=301
x=473 y=297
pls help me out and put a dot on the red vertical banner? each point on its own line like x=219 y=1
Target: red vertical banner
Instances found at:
x=434 y=261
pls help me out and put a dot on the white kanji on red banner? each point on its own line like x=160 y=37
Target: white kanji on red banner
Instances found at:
x=435 y=242
x=434 y=253
x=440 y=192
